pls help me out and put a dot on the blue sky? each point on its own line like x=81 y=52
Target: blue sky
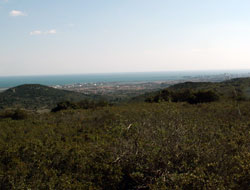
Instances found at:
x=98 y=36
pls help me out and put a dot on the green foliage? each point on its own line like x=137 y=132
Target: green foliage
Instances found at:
x=85 y=104
x=203 y=97
x=236 y=89
x=17 y=114
x=35 y=96
x=133 y=146
x=164 y=145
x=184 y=96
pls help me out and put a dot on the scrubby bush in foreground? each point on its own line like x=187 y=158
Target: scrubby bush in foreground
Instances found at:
x=134 y=146
x=17 y=114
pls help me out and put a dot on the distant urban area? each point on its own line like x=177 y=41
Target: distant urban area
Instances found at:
x=128 y=89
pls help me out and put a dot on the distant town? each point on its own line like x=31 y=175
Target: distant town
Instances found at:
x=122 y=89
x=137 y=88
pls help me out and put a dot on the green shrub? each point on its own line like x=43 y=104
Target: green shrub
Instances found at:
x=85 y=104
x=184 y=96
x=203 y=97
x=127 y=147
x=17 y=114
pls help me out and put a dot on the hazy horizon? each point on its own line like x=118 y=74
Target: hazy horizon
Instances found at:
x=89 y=37
x=211 y=71
x=127 y=77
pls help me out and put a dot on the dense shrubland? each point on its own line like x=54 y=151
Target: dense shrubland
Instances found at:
x=201 y=92
x=15 y=114
x=134 y=146
x=192 y=97
x=84 y=104
x=36 y=96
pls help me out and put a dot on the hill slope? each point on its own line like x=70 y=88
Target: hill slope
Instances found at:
x=129 y=147
x=239 y=87
x=36 y=96
x=226 y=88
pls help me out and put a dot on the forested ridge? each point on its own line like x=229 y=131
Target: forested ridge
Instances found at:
x=36 y=96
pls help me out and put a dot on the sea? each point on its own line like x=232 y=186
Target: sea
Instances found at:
x=53 y=80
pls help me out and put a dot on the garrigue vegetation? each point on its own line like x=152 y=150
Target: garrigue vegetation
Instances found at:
x=85 y=104
x=133 y=146
x=196 y=92
x=190 y=136
x=36 y=96
x=184 y=96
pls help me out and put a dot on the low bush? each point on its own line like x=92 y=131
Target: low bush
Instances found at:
x=17 y=114
x=184 y=96
x=85 y=104
x=128 y=147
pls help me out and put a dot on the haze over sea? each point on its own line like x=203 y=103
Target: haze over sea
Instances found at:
x=51 y=80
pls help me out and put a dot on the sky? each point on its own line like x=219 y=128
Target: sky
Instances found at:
x=40 y=37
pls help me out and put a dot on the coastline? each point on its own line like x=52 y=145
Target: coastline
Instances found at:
x=62 y=80
x=3 y=89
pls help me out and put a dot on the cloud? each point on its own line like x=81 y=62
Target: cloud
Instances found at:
x=39 y=32
x=16 y=13
x=53 y=31
x=36 y=32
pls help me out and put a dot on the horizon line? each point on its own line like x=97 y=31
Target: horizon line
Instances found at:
x=126 y=72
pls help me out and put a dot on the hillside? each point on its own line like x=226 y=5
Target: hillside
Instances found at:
x=225 y=88
x=36 y=96
x=129 y=147
x=238 y=87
